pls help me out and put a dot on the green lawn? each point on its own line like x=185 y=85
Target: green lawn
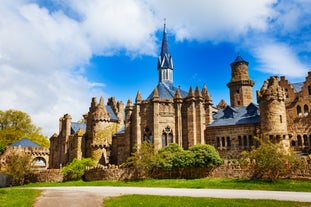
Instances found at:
x=222 y=183
x=14 y=197
x=162 y=201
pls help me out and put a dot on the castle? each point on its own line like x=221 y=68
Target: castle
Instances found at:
x=110 y=132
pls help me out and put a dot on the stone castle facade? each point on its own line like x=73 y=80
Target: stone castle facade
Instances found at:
x=111 y=132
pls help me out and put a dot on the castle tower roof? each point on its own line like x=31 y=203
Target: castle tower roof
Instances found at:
x=165 y=59
x=238 y=60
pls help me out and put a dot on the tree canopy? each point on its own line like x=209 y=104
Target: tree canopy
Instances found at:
x=15 y=125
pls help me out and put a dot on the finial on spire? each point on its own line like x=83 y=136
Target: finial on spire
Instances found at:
x=164 y=24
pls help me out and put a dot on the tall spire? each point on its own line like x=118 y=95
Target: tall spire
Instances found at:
x=165 y=61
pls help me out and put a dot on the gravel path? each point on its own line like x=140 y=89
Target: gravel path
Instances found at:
x=93 y=196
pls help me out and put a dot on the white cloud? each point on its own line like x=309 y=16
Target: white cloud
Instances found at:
x=279 y=59
x=221 y=20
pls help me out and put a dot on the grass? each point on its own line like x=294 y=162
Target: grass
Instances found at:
x=161 y=201
x=221 y=183
x=14 y=197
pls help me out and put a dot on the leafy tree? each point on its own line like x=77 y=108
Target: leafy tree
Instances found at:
x=143 y=159
x=15 y=125
x=271 y=161
x=18 y=165
x=76 y=169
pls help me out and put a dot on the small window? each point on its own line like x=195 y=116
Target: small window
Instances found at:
x=217 y=142
x=228 y=142
x=251 y=140
x=309 y=90
x=299 y=140
x=223 y=142
x=240 y=141
x=238 y=91
x=245 y=141
x=305 y=140
x=305 y=110
x=298 y=110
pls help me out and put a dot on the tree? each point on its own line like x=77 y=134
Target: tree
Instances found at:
x=15 y=125
x=143 y=159
x=18 y=165
x=76 y=169
x=271 y=161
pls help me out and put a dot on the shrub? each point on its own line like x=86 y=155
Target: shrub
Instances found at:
x=76 y=169
x=18 y=165
x=270 y=161
x=205 y=156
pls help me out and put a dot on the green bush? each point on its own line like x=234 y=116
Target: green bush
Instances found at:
x=172 y=160
x=76 y=169
x=271 y=161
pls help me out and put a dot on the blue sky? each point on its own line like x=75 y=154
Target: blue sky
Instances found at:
x=55 y=55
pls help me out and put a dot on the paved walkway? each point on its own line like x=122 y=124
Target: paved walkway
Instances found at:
x=93 y=196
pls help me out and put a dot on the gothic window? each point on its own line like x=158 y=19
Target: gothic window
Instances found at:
x=167 y=136
x=305 y=140
x=305 y=110
x=299 y=110
x=299 y=140
x=281 y=121
x=170 y=138
x=309 y=90
x=148 y=135
x=228 y=142
x=164 y=143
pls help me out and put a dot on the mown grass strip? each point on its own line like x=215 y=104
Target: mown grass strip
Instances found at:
x=161 y=201
x=221 y=183
x=14 y=197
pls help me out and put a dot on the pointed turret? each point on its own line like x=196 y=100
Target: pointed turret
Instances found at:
x=165 y=61
x=197 y=92
x=190 y=93
x=177 y=94
x=156 y=93
x=138 y=97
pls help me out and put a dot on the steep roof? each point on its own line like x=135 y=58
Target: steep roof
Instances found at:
x=298 y=86
x=75 y=126
x=239 y=59
x=236 y=115
x=165 y=58
x=167 y=91
x=25 y=142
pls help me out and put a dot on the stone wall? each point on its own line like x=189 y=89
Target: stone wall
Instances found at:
x=48 y=176
x=112 y=173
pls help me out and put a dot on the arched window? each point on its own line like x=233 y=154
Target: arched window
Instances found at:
x=148 y=135
x=305 y=110
x=223 y=142
x=298 y=110
x=164 y=143
x=170 y=138
x=299 y=140
x=167 y=136
x=305 y=140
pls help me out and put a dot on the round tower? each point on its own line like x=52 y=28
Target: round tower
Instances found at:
x=240 y=85
x=271 y=100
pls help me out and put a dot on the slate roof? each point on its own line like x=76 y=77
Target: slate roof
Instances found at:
x=165 y=58
x=239 y=59
x=167 y=90
x=75 y=126
x=236 y=115
x=25 y=142
x=298 y=86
